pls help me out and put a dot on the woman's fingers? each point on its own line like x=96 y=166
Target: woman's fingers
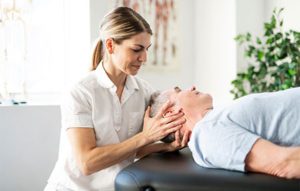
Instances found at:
x=172 y=118
x=147 y=112
x=177 y=137
x=179 y=121
x=185 y=138
x=171 y=125
x=155 y=128
x=168 y=130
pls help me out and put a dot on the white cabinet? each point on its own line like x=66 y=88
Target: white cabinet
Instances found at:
x=29 y=139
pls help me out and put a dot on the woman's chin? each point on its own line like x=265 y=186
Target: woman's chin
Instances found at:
x=133 y=72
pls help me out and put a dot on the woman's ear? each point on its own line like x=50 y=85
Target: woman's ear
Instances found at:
x=109 y=45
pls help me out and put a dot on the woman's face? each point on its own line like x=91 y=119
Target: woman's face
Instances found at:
x=129 y=56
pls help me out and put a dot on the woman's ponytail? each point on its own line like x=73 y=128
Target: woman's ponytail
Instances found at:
x=97 y=55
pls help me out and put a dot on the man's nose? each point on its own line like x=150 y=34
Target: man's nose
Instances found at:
x=193 y=88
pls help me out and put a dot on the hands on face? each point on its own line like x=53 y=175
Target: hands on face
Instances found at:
x=161 y=125
x=179 y=142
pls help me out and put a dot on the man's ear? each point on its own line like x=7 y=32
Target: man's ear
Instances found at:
x=172 y=111
x=109 y=45
x=167 y=114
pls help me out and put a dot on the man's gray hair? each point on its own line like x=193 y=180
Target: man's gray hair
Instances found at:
x=156 y=102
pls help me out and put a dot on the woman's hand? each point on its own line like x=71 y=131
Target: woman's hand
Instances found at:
x=159 y=126
x=179 y=143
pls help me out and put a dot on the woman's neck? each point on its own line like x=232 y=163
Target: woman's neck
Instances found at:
x=116 y=76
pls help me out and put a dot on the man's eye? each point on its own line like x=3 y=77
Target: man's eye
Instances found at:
x=177 y=89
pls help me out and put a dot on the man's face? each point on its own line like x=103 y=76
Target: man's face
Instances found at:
x=191 y=100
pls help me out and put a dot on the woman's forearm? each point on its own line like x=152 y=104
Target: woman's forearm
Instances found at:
x=91 y=158
x=177 y=144
x=151 y=148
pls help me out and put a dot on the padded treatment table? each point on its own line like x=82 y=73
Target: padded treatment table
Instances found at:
x=178 y=171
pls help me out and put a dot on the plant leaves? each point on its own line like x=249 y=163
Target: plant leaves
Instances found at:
x=274 y=59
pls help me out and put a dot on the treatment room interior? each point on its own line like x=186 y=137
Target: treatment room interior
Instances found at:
x=207 y=54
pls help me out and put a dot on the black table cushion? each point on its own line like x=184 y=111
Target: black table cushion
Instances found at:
x=177 y=171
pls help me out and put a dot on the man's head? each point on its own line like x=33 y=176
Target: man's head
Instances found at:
x=193 y=104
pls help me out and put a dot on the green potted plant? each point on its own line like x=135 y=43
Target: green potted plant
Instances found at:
x=274 y=59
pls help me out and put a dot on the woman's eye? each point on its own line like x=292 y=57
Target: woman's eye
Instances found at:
x=136 y=50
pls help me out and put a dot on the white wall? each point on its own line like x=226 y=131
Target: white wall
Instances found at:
x=250 y=16
x=215 y=48
x=29 y=137
x=290 y=14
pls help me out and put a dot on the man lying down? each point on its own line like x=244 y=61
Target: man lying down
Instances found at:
x=258 y=132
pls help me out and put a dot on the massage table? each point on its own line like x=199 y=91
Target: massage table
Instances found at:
x=177 y=171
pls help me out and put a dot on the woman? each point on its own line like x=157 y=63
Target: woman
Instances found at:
x=104 y=115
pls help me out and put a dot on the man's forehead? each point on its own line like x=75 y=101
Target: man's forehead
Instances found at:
x=172 y=92
x=168 y=92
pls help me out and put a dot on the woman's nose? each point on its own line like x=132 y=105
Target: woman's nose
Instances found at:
x=143 y=56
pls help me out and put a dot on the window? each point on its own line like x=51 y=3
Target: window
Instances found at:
x=44 y=47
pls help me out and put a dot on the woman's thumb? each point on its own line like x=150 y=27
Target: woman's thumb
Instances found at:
x=147 y=112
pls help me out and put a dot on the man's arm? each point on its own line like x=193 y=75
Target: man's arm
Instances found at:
x=266 y=157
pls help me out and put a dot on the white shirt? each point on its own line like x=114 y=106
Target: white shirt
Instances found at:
x=93 y=103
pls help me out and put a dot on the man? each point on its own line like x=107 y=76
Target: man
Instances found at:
x=258 y=132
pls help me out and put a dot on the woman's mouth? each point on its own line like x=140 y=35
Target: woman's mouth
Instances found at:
x=137 y=66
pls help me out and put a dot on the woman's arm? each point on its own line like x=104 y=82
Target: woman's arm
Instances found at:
x=91 y=158
x=164 y=147
x=266 y=157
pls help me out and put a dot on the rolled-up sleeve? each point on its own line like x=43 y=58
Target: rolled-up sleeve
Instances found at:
x=217 y=145
x=77 y=109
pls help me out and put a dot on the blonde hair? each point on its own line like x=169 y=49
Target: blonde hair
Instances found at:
x=120 y=24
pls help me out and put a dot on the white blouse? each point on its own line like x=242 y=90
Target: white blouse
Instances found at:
x=93 y=103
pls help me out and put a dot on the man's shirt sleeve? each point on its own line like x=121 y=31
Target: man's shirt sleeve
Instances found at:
x=221 y=145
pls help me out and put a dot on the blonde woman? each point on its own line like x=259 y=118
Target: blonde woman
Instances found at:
x=104 y=126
